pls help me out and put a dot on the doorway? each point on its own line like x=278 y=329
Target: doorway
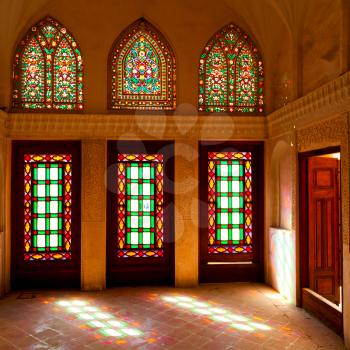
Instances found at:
x=45 y=224
x=231 y=211
x=320 y=235
x=140 y=213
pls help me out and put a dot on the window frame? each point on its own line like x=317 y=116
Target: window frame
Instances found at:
x=232 y=267
x=138 y=270
x=44 y=273
x=121 y=41
x=16 y=103
x=202 y=76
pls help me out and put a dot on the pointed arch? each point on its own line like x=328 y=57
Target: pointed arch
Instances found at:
x=141 y=70
x=48 y=69
x=231 y=75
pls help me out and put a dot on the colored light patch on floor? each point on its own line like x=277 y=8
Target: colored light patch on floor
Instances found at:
x=39 y=323
x=104 y=323
x=216 y=314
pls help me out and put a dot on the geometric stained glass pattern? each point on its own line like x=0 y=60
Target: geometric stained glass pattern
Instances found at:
x=48 y=70
x=231 y=76
x=142 y=70
x=140 y=205
x=47 y=206
x=229 y=202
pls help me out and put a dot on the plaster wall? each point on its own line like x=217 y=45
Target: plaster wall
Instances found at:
x=304 y=131
x=281 y=262
x=94 y=130
x=304 y=45
x=321 y=44
x=272 y=25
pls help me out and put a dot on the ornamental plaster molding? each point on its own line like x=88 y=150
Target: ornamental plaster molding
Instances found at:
x=31 y=125
x=328 y=100
x=323 y=134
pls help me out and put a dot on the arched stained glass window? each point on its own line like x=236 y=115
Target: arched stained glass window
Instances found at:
x=48 y=69
x=142 y=70
x=231 y=77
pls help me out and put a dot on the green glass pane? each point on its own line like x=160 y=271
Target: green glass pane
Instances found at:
x=47 y=206
x=140 y=188
x=229 y=201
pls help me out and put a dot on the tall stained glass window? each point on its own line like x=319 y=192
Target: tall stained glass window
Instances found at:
x=47 y=206
x=48 y=70
x=229 y=202
x=231 y=76
x=142 y=70
x=140 y=205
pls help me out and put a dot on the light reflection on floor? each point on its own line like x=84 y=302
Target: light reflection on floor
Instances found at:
x=215 y=313
x=209 y=317
x=105 y=323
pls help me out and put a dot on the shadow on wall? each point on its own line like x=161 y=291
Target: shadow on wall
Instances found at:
x=282 y=267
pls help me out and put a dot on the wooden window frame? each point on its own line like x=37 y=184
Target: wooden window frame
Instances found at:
x=224 y=267
x=141 y=270
x=47 y=273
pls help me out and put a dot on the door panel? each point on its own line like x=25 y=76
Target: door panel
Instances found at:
x=231 y=211
x=45 y=214
x=324 y=259
x=140 y=213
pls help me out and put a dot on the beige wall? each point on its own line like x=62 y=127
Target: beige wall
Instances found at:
x=321 y=44
x=304 y=44
x=316 y=121
x=298 y=55
x=94 y=130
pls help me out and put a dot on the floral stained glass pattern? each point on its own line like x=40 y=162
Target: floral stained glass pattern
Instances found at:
x=142 y=75
x=229 y=202
x=142 y=71
x=47 y=206
x=33 y=72
x=231 y=77
x=48 y=70
x=140 y=205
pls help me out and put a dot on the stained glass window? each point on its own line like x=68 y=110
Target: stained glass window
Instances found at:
x=142 y=70
x=229 y=202
x=48 y=69
x=231 y=77
x=140 y=205
x=47 y=206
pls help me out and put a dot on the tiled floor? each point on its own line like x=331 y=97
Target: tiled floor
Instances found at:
x=215 y=316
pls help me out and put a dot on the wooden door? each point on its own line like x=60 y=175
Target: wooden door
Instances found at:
x=140 y=222
x=231 y=211
x=45 y=214
x=324 y=250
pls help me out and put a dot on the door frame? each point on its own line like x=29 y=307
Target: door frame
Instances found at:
x=221 y=270
x=308 y=299
x=131 y=270
x=56 y=273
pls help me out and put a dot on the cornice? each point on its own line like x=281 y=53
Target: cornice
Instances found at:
x=329 y=100
x=129 y=126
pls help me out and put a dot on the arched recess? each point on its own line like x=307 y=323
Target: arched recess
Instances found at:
x=141 y=70
x=47 y=70
x=281 y=186
x=231 y=75
x=281 y=237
